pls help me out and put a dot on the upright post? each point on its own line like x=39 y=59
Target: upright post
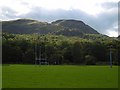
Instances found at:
x=35 y=54
x=40 y=52
x=40 y=55
x=110 y=57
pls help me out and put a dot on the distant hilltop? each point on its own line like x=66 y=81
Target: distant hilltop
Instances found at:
x=60 y=27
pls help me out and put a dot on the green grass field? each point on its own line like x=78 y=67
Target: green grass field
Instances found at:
x=0 y=76
x=64 y=76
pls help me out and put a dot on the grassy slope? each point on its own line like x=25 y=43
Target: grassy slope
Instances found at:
x=31 y=76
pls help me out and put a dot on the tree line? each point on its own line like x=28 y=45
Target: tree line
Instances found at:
x=88 y=50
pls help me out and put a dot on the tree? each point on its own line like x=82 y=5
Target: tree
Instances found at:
x=90 y=60
x=76 y=52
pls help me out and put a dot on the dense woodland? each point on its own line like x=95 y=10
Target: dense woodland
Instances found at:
x=90 y=49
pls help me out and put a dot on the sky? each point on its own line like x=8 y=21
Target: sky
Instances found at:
x=102 y=15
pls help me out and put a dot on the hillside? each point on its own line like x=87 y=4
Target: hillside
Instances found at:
x=74 y=26
x=59 y=27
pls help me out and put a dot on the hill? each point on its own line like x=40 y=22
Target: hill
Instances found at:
x=75 y=27
x=59 y=27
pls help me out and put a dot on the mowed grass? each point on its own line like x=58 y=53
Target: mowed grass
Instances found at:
x=0 y=76
x=64 y=76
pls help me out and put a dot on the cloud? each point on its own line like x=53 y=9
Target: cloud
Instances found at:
x=109 y=5
x=119 y=18
x=7 y=13
x=51 y=15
